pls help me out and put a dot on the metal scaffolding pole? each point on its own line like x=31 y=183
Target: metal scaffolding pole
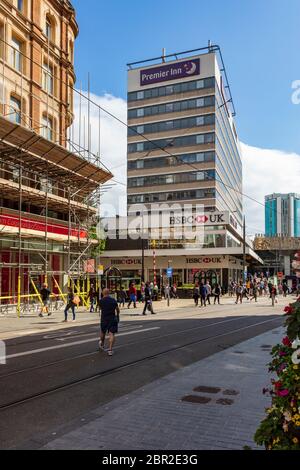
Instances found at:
x=46 y=229
x=20 y=242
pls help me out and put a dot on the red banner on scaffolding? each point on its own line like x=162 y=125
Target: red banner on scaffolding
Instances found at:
x=30 y=224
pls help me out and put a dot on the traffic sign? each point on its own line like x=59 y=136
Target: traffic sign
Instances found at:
x=169 y=272
x=100 y=270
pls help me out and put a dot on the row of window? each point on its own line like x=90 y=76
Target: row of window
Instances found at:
x=175 y=160
x=16 y=61
x=172 y=196
x=15 y=115
x=167 y=90
x=174 y=107
x=171 y=179
x=183 y=141
x=17 y=50
x=50 y=24
x=164 y=126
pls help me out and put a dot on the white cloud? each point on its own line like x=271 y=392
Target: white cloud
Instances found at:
x=113 y=141
x=265 y=170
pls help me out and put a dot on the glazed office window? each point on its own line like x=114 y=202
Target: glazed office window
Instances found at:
x=47 y=127
x=165 y=126
x=172 y=142
x=48 y=82
x=16 y=54
x=15 y=110
x=175 y=107
x=206 y=193
x=172 y=89
x=177 y=178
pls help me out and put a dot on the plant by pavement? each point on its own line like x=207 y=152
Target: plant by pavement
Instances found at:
x=280 y=429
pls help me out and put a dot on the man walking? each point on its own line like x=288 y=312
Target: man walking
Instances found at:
x=45 y=296
x=132 y=295
x=208 y=291
x=203 y=294
x=110 y=317
x=196 y=294
x=217 y=293
x=148 y=300
x=239 y=293
x=92 y=297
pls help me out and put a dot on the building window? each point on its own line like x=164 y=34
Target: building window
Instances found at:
x=71 y=52
x=47 y=127
x=21 y=5
x=48 y=79
x=16 y=54
x=50 y=28
x=15 y=110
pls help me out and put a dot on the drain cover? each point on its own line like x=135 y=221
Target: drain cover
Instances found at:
x=224 y=401
x=205 y=389
x=266 y=346
x=239 y=352
x=196 y=399
x=230 y=392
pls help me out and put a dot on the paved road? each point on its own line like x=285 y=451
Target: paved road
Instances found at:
x=52 y=379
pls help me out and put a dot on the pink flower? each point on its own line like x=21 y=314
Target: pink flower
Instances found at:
x=282 y=353
x=283 y=393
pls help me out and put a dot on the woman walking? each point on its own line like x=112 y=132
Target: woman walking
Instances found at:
x=70 y=305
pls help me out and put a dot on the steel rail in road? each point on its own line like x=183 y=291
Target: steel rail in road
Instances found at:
x=96 y=353
x=125 y=366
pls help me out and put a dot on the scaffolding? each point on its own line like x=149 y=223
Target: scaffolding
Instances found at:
x=50 y=185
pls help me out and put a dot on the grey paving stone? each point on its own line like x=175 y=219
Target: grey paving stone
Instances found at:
x=155 y=418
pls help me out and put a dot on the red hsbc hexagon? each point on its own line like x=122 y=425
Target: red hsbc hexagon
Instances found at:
x=201 y=219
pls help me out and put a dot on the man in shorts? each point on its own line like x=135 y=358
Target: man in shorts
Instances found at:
x=45 y=296
x=109 y=320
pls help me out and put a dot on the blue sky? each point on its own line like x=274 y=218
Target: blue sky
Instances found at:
x=259 y=40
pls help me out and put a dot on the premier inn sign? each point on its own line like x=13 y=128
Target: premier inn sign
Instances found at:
x=164 y=73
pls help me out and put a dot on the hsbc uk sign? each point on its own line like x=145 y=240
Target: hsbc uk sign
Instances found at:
x=205 y=260
x=213 y=218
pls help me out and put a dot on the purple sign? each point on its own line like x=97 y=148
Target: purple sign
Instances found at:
x=164 y=73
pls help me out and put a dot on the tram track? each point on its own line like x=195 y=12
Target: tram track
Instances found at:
x=133 y=363
x=132 y=343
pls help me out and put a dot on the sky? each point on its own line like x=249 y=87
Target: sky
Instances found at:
x=259 y=40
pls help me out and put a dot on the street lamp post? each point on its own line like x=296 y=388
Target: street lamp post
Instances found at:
x=244 y=250
x=169 y=282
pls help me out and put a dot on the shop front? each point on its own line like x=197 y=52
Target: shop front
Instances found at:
x=186 y=270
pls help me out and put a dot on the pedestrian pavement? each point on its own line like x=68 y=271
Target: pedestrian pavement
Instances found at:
x=13 y=327
x=225 y=414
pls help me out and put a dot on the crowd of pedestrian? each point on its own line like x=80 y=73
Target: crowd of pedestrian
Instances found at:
x=205 y=292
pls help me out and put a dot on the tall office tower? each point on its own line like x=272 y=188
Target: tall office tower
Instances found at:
x=282 y=215
x=182 y=142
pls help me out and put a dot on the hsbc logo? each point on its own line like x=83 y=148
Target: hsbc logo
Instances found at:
x=205 y=260
x=201 y=219
x=213 y=219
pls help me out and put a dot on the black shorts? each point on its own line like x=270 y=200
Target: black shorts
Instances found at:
x=110 y=326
